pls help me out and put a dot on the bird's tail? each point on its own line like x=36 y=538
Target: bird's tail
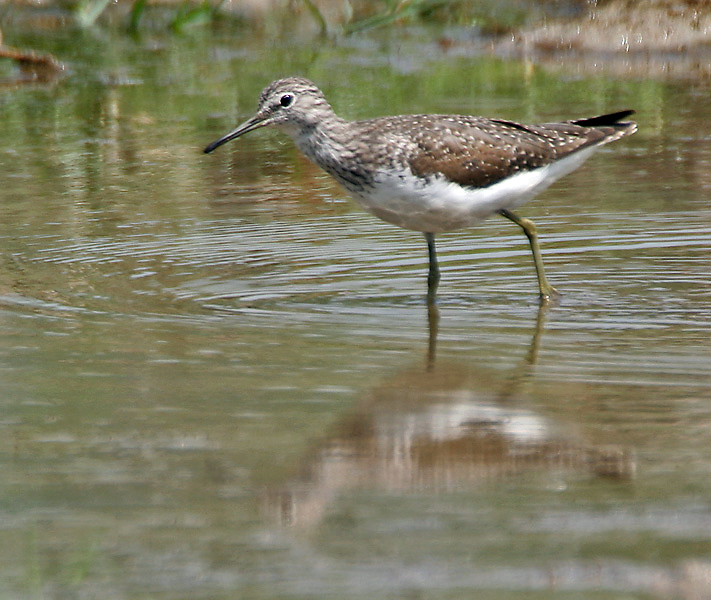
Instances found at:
x=612 y=122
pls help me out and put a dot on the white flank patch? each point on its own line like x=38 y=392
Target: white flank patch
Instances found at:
x=440 y=206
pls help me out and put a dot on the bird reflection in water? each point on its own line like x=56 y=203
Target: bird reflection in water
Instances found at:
x=441 y=428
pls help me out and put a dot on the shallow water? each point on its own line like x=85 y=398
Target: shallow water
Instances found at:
x=219 y=379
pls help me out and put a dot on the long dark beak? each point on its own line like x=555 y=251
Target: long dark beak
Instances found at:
x=254 y=123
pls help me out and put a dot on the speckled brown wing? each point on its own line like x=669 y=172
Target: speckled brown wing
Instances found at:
x=478 y=152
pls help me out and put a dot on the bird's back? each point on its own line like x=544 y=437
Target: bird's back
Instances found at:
x=476 y=151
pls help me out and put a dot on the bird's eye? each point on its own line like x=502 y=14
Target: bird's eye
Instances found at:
x=286 y=100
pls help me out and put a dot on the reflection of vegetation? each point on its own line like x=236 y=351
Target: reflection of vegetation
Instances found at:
x=396 y=10
x=489 y=16
x=88 y=11
x=189 y=15
x=33 y=66
x=318 y=16
x=341 y=17
x=185 y=14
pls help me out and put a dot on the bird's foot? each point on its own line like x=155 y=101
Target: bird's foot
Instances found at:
x=550 y=296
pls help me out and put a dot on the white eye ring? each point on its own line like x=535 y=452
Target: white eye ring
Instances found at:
x=286 y=100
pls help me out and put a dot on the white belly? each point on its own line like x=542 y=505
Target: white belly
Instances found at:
x=438 y=205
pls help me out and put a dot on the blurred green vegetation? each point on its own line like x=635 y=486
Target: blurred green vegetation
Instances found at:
x=325 y=17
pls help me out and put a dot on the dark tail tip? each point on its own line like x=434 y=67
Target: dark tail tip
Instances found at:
x=604 y=120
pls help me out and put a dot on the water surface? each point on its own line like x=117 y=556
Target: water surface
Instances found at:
x=218 y=375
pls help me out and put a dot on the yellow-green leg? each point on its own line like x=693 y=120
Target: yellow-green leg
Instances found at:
x=548 y=292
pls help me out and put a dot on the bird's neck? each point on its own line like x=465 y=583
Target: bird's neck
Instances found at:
x=323 y=140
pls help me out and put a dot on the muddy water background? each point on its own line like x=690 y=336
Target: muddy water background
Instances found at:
x=217 y=378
